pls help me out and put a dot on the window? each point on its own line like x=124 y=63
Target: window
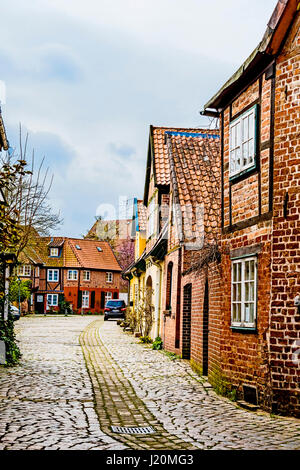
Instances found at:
x=52 y=300
x=54 y=252
x=78 y=247
x=109 y=277
x=243 y=292
x=108 y=296
x=53 y=275
x=24 y=270
x=72 y=275
x=86 y=275
x=85 y=299
x=99 y=249
x=243 y=142
x=151 y=218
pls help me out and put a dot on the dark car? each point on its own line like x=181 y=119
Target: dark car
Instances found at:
x=115 y=308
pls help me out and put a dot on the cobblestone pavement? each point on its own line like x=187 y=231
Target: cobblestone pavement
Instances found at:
x=116 y=401
x=189 y=409
x=47 y=402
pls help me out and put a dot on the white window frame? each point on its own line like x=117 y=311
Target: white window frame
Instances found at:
x=242 y=147
x=54 y=252
x=72 y=275
x=86 y=275
x=52 y=271
x=24 y=270
x=52 y=303
x=108 y=296
x=85 y=299
x=109 y=277
x=241 y=299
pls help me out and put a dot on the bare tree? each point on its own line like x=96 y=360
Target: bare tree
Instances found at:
x=27 y=196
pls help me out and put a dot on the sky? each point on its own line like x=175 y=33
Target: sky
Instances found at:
x=87 y=79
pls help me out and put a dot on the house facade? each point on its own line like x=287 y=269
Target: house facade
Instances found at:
x=191 y=262
x=84 y=273
x=260 y=218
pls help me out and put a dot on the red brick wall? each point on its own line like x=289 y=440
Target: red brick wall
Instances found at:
x=197 y=279
x=285 y=320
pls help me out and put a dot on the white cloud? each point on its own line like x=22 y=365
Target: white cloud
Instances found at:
x=95 y=74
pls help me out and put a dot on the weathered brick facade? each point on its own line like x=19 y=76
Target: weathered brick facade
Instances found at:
x=261 y=217
x=285 y=320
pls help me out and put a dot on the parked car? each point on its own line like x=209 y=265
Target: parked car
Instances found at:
x=115 y=308
x=15 y=312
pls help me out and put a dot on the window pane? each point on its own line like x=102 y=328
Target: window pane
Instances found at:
x=245 y=153
x=245 y=129
x=252 y=270
x=251 y=125
x=251 y=151
x=249 y=313
x=232 y=161
x=238 y=134
x=239 y=271
x=239 y=292
x=238 y=313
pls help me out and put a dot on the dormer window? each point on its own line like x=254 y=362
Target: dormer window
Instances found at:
x=78 y=247
x=99 y=249
x=54 y=252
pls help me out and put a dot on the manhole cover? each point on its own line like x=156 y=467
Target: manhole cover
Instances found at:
x=130 y=430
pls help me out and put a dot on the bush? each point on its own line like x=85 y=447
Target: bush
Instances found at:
x=7 y=334
x=157 y=344
x=145 y=339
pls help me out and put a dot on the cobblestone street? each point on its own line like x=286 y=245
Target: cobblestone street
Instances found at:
x=48 y=401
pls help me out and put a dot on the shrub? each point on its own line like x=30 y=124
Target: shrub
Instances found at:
x=145 y=339
x=157 y=343
x=7 y=335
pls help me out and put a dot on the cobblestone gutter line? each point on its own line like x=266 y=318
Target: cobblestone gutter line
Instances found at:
x=116 y=402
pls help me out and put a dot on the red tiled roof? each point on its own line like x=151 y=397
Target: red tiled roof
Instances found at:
x=160 y=152
x=195 y=176
x=88 y=256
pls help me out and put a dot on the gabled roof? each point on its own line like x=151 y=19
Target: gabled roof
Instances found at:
x=89 y=256
x=76 y=253
x=261 y=57
x=195 y=175
x=158 y=156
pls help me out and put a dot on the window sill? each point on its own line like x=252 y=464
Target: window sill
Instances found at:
x=245 y=330
x=242 y=174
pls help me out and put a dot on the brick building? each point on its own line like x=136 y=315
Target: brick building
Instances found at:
x=190 y=265
x=260 y=218
x=82 y=272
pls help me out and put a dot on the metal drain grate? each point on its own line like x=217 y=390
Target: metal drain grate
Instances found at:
x=127 y=430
